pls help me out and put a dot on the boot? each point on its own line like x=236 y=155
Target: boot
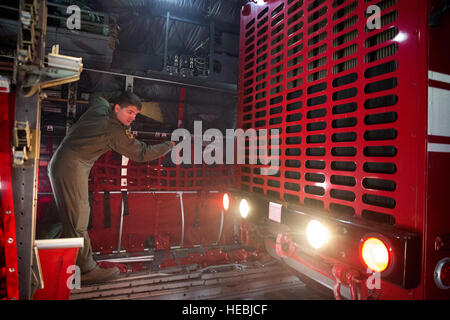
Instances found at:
x=98 y=275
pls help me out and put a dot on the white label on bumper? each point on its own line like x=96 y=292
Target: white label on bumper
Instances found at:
x=275 y=212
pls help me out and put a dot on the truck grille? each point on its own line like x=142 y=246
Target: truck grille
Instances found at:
x=333 y=86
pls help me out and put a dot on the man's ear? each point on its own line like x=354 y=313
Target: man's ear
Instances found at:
x=116 y=107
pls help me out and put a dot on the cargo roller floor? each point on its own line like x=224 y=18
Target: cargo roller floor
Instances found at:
x=271 y=281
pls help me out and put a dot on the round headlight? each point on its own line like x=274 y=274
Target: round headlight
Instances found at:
x=226 y=201
x=317 y=234
x=375 y=254
x=244 y=208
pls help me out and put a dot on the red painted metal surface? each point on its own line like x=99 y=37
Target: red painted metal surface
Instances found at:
x=351 y=104
x=438 y=220
x=55 y=272
x=437 y=223
x=439 y=48
x=9 y=283
x=157 y=218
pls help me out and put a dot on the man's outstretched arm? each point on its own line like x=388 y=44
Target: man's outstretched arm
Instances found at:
x=136 y=150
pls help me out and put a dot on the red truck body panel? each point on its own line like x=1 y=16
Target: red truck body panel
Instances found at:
x=351 y=104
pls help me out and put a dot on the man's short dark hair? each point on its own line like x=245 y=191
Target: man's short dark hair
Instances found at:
x=127 y=99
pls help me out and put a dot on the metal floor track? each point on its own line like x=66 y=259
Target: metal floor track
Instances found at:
x=231 y=281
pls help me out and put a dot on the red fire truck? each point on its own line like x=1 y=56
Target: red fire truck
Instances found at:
x=355 y=97
x=363 y=142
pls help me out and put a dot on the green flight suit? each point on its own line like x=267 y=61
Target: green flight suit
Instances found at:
x=96 y=132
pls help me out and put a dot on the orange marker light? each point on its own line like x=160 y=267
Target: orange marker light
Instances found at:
x=226 y=201
x=375 y=254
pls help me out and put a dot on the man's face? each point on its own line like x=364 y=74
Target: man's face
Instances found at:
x=126 y=115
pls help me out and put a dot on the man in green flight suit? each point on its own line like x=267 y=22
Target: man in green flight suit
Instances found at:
x=100 y=129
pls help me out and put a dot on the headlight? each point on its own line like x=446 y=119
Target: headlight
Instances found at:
x=244 y=208
x=226 y=201
x=375 y=254
x=317 y=234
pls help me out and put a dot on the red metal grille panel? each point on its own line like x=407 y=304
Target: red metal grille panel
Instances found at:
x=156 y=175
x=106 y=175
x=352 y=136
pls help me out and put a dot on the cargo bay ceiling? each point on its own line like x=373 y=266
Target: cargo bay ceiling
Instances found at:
x=145 y=36
x=178 y=43
x=145 y=42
